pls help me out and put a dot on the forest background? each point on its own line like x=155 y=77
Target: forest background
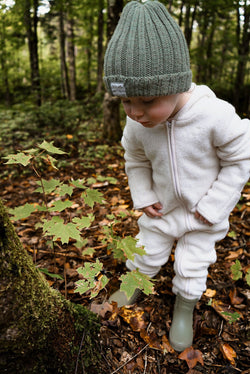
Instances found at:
x=51 y=88
x=53 y=50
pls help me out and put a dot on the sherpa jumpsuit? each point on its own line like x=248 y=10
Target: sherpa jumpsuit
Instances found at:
x=200 y=160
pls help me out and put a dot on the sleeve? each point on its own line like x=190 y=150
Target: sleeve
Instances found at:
x=138 y=169
x=233 y=150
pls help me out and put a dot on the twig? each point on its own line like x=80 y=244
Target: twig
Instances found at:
x=80 y=348
x=132 y=358
x=221 y=328
x=146 y=363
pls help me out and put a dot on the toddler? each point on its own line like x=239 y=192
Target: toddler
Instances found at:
x=187 y=155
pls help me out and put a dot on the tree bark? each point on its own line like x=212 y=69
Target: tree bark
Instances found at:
x=243 y=39
x=71 y=57
x=100 y=48
x=31 y=30
x=63 y=64
x=4 y=64
x=40 y=331
x=111 y=117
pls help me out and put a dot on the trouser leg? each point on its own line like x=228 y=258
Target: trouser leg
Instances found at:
x=153 y=235
x=195 y=252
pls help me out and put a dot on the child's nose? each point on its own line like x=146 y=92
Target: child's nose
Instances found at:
x=137 y=111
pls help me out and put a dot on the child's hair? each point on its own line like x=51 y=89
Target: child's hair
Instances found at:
x=147 y=54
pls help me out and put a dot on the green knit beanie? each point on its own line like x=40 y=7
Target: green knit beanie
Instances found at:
x=147 y=54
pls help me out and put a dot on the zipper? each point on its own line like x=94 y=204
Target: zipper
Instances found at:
x=173 y=162
x=171 y=146
x=175 y=177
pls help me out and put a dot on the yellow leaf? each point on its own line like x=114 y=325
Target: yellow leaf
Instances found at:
x=210 y=293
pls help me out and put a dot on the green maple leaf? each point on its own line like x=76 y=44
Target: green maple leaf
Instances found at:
x=49 y=186
x=23 y=211
x=134 y=279
x=92 y=196
x=49 y=147
x=65 y=189
x=19 y=158
x=78 y=183
x=89 y=273
x=59 y=230
x=129 y=247
x=84 y=222
x=59 y=206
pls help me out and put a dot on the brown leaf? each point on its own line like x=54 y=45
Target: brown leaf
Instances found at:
x=223 y=310
x=101 y=309
x=151 y=339
x=166 y=345
x=192 y=357
x=134 y=318
x=235 y=300
x=233 y=255
x=228 y=353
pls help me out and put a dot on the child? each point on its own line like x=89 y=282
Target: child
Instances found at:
x=187 y=155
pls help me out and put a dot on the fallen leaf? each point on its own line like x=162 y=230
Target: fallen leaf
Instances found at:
x=101 y=309
x=228 y=353
x=151 y=339
x=233 y=255
x=134 y=318
x=210 y=293
x=166 y=345
x=224 y=310
x=192 y=357
x=235 y=300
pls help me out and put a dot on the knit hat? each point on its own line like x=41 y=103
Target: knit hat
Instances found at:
x=147 y=54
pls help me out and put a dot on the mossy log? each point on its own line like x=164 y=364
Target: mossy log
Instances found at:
x=40 y=331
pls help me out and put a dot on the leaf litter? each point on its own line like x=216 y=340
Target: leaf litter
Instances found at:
x=135 y=339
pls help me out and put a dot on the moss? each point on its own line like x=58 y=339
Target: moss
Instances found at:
x=40 y=330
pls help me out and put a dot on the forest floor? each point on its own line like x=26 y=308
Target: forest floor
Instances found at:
x=135 y=339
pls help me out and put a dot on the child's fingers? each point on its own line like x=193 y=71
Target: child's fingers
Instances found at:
x=152 y=211
x=202 y=219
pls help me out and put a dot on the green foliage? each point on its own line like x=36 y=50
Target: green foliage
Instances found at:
x=56 y=198
x=134 y=279
x=45 y=271
x=237 y=273
x=236 y=270
x=232 y=317
x=91 y=280
x=53 y=225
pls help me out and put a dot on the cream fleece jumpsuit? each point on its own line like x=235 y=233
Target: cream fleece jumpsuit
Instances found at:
x=198 y=161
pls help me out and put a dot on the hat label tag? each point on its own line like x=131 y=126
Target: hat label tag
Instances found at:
x=118 y=89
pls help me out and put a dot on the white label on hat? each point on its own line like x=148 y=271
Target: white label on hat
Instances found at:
x=118 y=89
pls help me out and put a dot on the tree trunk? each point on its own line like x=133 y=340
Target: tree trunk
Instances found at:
x=71 y=57
x=4 y=64
x=64 y=70
x=31 y=29
x=243 y=39
x=111 y=117
x=40 y=331
x=189 y=21
x=100 y=48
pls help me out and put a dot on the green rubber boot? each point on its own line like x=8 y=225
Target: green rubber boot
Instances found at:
x=121 y=298
x=181 y=331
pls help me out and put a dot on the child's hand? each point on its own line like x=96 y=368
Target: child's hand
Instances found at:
x=152 y=211
x=202 y=219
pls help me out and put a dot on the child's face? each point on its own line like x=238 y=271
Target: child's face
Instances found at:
x=150 y=111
